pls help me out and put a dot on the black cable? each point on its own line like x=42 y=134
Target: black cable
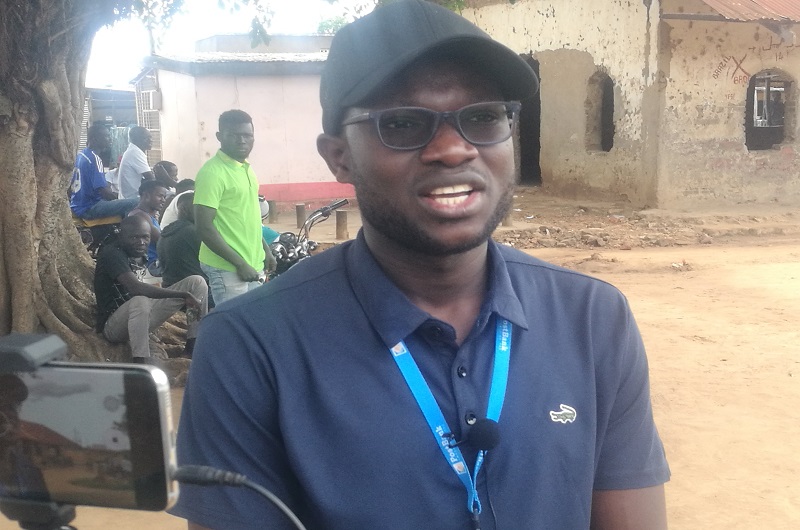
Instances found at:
x=206 y=476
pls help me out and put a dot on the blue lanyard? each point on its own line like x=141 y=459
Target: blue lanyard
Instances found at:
x=433 y=414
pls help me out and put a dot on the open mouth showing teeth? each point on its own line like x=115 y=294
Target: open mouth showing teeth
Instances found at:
x=451 y=195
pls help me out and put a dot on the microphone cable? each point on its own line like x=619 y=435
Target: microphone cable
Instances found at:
x=207 y=476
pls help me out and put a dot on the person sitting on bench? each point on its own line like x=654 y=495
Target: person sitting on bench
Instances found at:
x=90 y=194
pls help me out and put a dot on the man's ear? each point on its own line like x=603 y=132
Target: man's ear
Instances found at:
x=335 y=152
x=219 y=137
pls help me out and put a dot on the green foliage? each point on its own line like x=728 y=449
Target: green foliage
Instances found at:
x=262 y=17
x=331 y=26
x=258 y=33
x=453 y=5
x=157 y=15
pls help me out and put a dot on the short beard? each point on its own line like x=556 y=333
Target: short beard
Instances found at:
x=403 y=232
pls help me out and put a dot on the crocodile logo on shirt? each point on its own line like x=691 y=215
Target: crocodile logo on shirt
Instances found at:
x=566 y=415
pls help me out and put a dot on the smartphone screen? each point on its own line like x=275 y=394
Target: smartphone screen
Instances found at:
x=98 y=435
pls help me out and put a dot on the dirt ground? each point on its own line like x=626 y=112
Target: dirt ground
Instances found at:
x=716 y=295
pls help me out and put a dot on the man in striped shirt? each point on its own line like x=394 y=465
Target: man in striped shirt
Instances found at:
x=91 y=196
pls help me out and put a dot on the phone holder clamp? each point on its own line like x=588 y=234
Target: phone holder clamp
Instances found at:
x=25 y=353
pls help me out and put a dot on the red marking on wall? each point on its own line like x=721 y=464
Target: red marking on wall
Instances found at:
x=721 y=66
x=737 y=77
x=307 y=192
x=739 y=68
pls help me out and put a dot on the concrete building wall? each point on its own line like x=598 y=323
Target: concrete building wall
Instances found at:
x=179 y=131
x=286 y=116
x=703 y=154
x=572 y=42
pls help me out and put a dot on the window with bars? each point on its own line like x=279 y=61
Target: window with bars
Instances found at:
x=769 y=112
x=148 y=107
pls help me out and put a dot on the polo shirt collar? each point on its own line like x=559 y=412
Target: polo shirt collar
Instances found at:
x=392 y=314
x=502 y=298
x=230 y=161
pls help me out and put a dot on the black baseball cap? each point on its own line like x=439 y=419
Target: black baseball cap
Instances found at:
x=367 y=53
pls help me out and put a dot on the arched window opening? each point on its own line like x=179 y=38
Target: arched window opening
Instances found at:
x=768 y=110
x=600 y=113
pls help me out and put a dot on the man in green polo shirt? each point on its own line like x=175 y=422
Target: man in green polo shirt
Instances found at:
x=227 y=213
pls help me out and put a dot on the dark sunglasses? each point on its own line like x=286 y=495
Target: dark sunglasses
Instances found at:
x=409 y=128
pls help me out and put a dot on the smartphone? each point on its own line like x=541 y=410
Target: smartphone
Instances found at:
x=88 y=434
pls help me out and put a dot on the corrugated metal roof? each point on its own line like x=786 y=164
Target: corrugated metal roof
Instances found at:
x=227 y=63
x=748 y=10
x=229 y=57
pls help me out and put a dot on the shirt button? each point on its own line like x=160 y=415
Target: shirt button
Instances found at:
x=471 y=419
x=461 y=371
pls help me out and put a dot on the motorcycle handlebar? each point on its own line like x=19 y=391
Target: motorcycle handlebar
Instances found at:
x=289 y=248
x=334 y=205
x=323 y=213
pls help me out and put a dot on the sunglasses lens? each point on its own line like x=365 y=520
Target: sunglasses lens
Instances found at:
x=406 y=128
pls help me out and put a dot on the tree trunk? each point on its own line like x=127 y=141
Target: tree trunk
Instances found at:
x=45 y=272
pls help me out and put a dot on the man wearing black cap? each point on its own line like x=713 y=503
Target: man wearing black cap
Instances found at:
x=423 y=376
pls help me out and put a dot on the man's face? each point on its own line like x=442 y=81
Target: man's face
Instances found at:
x=135 y=238
x=144 y=141
x=154 y=199
x=446 y=197
x=102 y=140
x=236 y=141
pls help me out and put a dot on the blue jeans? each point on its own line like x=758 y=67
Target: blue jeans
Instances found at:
x=119 y=207
x=225 y=285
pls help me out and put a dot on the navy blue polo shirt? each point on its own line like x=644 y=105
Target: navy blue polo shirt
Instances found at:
x=294 y=386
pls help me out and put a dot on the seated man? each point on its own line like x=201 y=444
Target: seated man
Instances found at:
x=133 y=167
x=152 y=195
x=179 y=246
x=171 y=209
x=166 y=173
x=91 y=196
x=127 y=308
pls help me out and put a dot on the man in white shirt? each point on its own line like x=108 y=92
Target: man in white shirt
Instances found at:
x=134 y=167
x=171 y=211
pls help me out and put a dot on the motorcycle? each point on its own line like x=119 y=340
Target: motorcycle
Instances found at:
x=290 y=248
